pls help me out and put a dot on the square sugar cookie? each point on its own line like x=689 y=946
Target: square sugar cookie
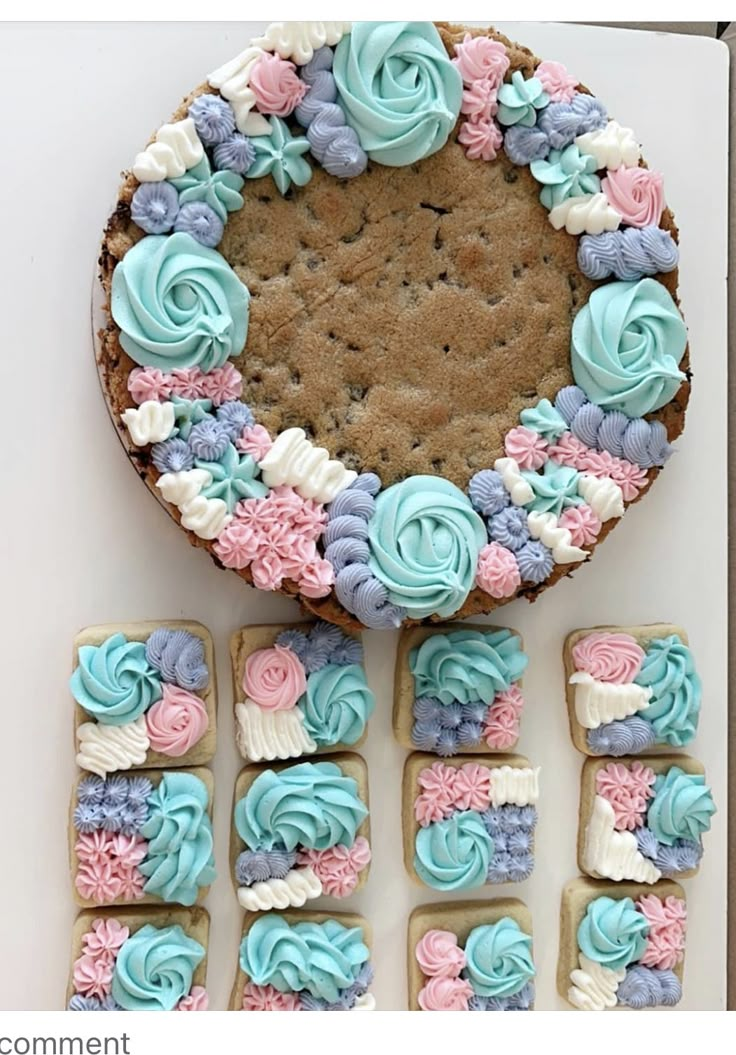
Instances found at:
x=299 y=689
x=144 y=701
x=631 y=689
x=309 y=980
x=443 y=972
x=457 y=688
x=102 y=938
x=469 y=821
x=622 y=945
x=334 y=792
x=150 y=828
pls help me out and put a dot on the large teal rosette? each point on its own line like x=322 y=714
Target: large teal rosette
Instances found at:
x=311 y=805
x=337 y=704
x=425 y=538
x=669 y=670
x=178 y=304
x=154 y=969
x=681 y=808
x=114 y=682
x=627 y=343
x=498 y=958
x=179 y=833
x=321 y=958
x=613 y=932
x=398 y=89
x=454 y=854
x=467 y=665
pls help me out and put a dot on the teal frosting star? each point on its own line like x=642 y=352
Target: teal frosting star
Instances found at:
x=520 y=100
x=565 y=174
x=219 y=190
x=233 y=478
x=189 y=412
x=554 y=490
x=544 y=419
x=280 y=154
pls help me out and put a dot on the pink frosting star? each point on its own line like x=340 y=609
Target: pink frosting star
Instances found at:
x=526 y=447
x=480 y=58
x=266 y=998
x=92 y=975
x=187 y=382
x=338 y=867
x=629 y=477
x=501 y=729
x=482 y=139
x=597 y=463
x=497 y=572
x=445 y=994
x=129 y=850
x=316 y=578
x=196 y=1000
x=105 y=939
x=222 y=385
x=667 y=919
x=436 y=800
x=255 y=441
x=472 y=788
x=439 y=955
x=147 y=383
x=627 y=787
x=568 y=450
x=238 y=544
x=479 y=101
x=131 y=882
x=94 y=847
x=268 y=571
x=98 y=881
x=275 y=85
x=582 y=523
x=557 y=82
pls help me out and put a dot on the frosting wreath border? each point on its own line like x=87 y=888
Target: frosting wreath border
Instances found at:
x=587 y=473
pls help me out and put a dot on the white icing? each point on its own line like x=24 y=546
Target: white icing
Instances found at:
x=611 y=146
x=612 y=854
x=298 y=41
x=106 y=749
x=585 y=214
x=180 y=488
x=594 y=986
x=546 y=528
x=513 y=786
x=266 y=735
x=600 y=702
x=295 y=461
x=297 y=887
x=151 y=422
x=233 y=83
x=177 y=147
x=366 y=1002
x=206 y=517
x=520 y=491
x=603 y=495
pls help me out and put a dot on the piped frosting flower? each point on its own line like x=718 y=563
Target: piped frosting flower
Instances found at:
x=275 y=85
x=196 y=1000
x=481 y=137
x=147 y=383
x=255 y=441
x=222 y=384
x=637 y=194
x=472 y=787
x=582 y=523
x=439 y=955
x=481 y=59
x=627 y=787
x=266 y=998
x=176 y=722
x=445 y=994
x=497 y=572
x=436 y=800
x=527 y=448
x=667 y=919
x=274 y=678
x=104 y=939
x=611 y=657
x=557 y=82
x=92 y=975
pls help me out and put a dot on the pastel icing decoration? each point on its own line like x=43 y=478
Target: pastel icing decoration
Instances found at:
x=519 y=101
x=439 y=955
x=467 y=665
x=106 y=749
x=268 y=735
x=275 y=85
x=594 y=987
x=612 y=146
x=151 y=422
x=213 y=118
x=332 y=141
x=337 y=705
x=154 y=969
x=630 y=254
x=219 y=190
x=499 y=959
x=557 y=82
x=280 y=154
x=454 y=854
x=175 y=149
x=609 y=657
x=682 y=806
x=481 y=59
x=590 y=213
x=566 y=174
x=294 y=461
x=446 y=994
x=180 y=858
x=613 y=932
x=637 y=195
x=668 y=671
x=274 y=678
x=114 y=682
x=299 y=40
x=176 y=722
x=667 y=919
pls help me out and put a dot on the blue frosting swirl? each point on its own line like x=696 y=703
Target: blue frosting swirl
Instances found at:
x=487 y=492
x=464 y=667
x=498 y=958
x=669 y=670
x=154 y=969
x=178 y=656
x=180 y=860
x=639 y=441
x=454 y=854
x=524 y=145
x=337 y=704
x=154 y=207
x=201 y=222
x=236 y=154
x=535 y=562
x=628 y=254
x=257 y=866
x=510 y=528
x=562 y=122
x=213 y=118
x=629 y=736
x=172 y=456
x=649 y=987
x=113 y=681
x=332 y=141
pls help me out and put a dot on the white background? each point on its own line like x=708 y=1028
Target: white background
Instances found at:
x=84 y=542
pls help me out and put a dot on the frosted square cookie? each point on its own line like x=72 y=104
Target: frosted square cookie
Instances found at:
x=631 y=689
x=145 y=695
x=457 y=688
x=299 y=689
x=468 y=821
x=471 y=956
x=300 y=830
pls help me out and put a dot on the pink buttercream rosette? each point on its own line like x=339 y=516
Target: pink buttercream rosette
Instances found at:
x=572 y=452
x=437 y=797
x=608 y=656
x=637 y=195
x=92 y=971
x=445 y=994
x=628 y=788
x=274 y=678
x=667 y=919
x=338 y=867
x=176 y=722
x=557 y=82
x=481 y=59
x=472 y=787
x=498 y=571
x=196 y=1000
x=526 y=447
x=266 y=998
x=439 y=955
x=275 y=85
x=501 y=728
x=108 y=867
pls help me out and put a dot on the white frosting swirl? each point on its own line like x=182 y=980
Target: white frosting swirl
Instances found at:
x=177 y=147
x=513 y=786
x=585 y=214
x=267 y=735
x=298 y=41
x=206 y=517
x=295 y=461
x=232 y=80
x=180 y=488
x=106 y=749
x=611 y=146
x=594 y=986
x=603 y=495
x=599 y=702
x=520 y=491
x=546 y=528
x=613 y=854
x=151 y=422
x=366 y=1002
x=297 y=887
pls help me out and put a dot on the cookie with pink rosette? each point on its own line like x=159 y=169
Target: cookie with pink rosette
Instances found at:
x=439 y=955
x=274 y=678
x=610 y=657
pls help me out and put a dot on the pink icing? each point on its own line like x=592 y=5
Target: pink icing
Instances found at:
x=501 y=729
x=274 y=678
x=176 y=722
x=445 y=994
x=436 y=800
x=608 y=656
x=268 y=571
x=105 y=939
x=497 y=572
x=146 y=383
x=276 y=86
x=429 y=808
x=582 y=523
x=266 y=998
x=629 y=477
x=472 y=788
x=316 y=578
x=222 y=384
x=338 y=867
x=439 y=955
x=481 y=59
x=597 y=463
x=92 y=975
x=557 y=82
x=128 y=850
x=94 y=847
x=527 y=448
x=479 y=101
x=627 y=788
x=637 y=194
x=197 y=1000
x=98 y=881
x=187 y=382
x=481 y=138
x=568 y=450
x=510 y=698
x=238 y=544
x=667 y=921
x=131 y=883
x=255 y=441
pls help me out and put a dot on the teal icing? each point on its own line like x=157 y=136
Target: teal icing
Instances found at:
x=312 y=805
x=673 y=709
x=454 y=854
x=321 y=958
x=555 y=488
x=613 y=932
x=399 y=90
x=114 y=682
x=178 y=304
x=179 y=861
x=234 y=476
x=681 y=808
x=565 y=174
x=498 y=958
x=627 y=343
x=337 y=704
x=188 y=413
x=519 y=101
x=424 y=539
x=280 y=154
x=154 y=969
x=466 y=666
x=544 y=419
x=220 y=190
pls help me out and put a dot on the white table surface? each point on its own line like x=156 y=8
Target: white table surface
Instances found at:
x=84 y=542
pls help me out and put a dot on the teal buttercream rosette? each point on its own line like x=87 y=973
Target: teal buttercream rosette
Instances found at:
x=337 y=704
x=454 y=854
x=154 y=969
x=467 y=666
x=681 y=808
x=613 y=932
x=179 y=860
x=498 y=959
x=669 y=671
x=114 y=681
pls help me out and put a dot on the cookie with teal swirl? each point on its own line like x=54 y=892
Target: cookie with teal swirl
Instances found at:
x=180 y=857
x=220 y=190
x=114 y=681
x=454 y=854
x=498 y=958
x=154 y=969
x=613 y=932
x=681 y=808
x=337 y=704
x=312 y=805
x=669 y=671
x=467 y=666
